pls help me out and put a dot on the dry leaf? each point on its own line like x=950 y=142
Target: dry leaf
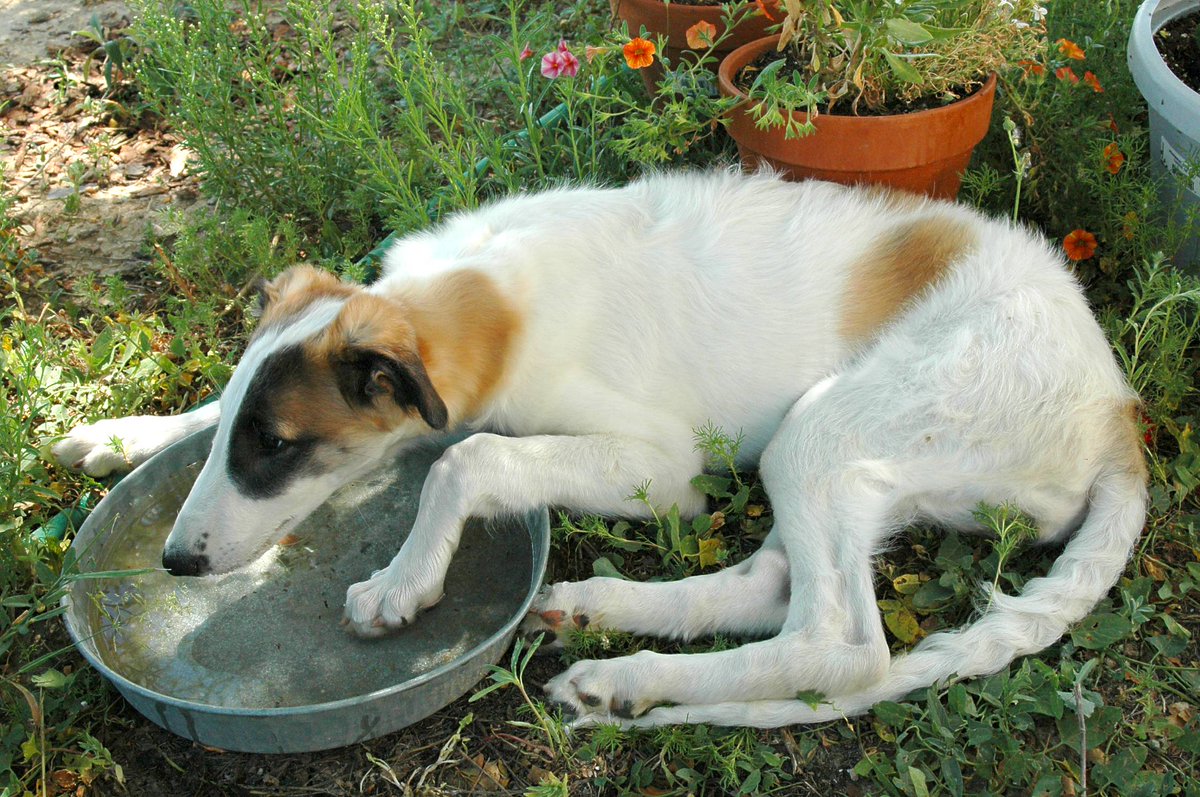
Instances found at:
x=1180 y=714
x=478 y=774
x=179 y=159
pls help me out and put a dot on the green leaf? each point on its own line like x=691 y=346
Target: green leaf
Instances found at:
x=50 y=679
x=960 y=701
x=930 y=595
x=810 y=698
x=920 y=788
x=908 y=32
x=1174 y=627
x=952 y=776
x=712 y=486
x=902 y=69
x=1099 y=631
x=891 y=713
x=604 y=567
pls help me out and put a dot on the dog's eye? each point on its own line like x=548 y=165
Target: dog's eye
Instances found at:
x=273 y=443
x=270 y=443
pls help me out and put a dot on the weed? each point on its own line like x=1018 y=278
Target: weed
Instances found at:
x=552 y=730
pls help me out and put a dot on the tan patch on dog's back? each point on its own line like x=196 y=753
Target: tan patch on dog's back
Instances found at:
x=904 y=262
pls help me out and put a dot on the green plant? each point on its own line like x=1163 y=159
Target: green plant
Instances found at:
x=876 y=55
x=553 y=731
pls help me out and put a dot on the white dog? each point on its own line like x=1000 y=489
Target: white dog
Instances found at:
x=887 y=359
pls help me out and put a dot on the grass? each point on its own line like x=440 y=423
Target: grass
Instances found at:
x=319 y=136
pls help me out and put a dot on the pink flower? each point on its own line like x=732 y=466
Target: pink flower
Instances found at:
x=560 y=62
x=527 y=52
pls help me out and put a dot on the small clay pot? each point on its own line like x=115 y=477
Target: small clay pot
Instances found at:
x=923 y=152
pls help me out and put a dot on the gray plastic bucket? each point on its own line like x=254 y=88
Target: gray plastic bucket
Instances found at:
x=1174 y=119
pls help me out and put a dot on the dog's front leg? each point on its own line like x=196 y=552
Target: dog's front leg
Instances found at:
x=115 y=445
x=488 y=475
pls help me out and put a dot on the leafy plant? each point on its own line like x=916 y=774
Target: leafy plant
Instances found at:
x=869 y=53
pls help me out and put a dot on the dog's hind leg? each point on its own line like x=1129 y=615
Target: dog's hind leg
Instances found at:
x=750 y=598
x=831 y=641
x=835 y=501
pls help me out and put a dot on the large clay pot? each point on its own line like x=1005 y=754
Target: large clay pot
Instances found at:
x=923 y=152
x=672 y=21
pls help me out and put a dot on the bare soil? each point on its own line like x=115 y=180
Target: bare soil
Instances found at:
x=1179 y=44
x=91 y=176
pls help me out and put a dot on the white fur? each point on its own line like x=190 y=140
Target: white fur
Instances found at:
x=691 y=299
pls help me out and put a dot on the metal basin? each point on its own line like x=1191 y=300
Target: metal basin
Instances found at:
x=255 y=660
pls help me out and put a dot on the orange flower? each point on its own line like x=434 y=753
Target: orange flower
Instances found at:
x=1066 y=73
x=1092 y=81
x=1070 y=49
x=639 y=53
x=1079 y=244
x=763 y=8
x=1031 y=67
x=1114 y=157
x=701 y=35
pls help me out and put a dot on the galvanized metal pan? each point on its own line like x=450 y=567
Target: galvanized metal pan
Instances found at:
x=256 y=660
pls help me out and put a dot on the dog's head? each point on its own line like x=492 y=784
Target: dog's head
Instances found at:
x=332 y=381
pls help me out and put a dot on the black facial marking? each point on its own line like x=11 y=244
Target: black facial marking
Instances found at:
x=261 y=462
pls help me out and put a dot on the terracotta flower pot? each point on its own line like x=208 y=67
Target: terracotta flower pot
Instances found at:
x=924 y=151
x=672 y=21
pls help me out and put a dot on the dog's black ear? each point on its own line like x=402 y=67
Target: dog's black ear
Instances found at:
x=363 y=375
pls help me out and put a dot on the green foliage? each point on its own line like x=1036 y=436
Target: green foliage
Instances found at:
x=553 y=732
x=862 y=54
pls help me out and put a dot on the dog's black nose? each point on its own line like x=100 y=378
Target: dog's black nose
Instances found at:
x=185 y=564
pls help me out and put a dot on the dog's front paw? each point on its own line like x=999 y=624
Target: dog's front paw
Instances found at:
x=104 y=447
x=611 y=688
x=385 y=602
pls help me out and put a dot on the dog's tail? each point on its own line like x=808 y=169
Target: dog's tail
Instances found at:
x=1012 y=626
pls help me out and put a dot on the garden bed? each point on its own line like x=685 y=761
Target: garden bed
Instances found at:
x=163 y=327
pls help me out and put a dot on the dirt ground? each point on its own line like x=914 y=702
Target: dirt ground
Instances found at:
x=90 y=181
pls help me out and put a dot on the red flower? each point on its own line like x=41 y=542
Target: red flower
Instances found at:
x=639 y=53
x=1093 y=81
x=1079 y=244
x=1066 y=73
x=527 y=52
x=763 y=8
x=1114 y=158
x=1070 y=49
